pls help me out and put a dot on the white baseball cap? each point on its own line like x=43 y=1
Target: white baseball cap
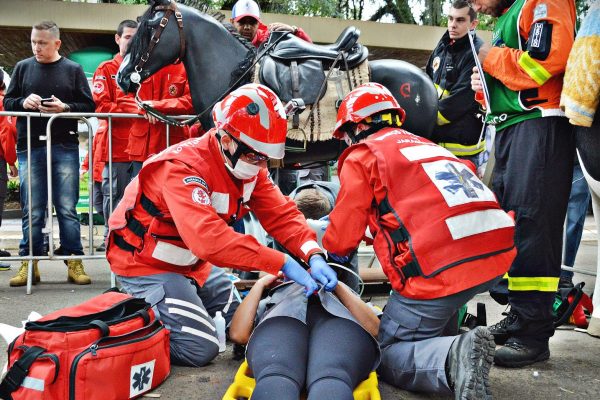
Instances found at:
x=245 y=8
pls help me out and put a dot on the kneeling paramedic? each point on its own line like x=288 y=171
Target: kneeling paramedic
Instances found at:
x=439 y=234
x=174 y=223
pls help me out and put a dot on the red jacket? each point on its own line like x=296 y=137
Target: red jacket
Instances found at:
x=106 y=93
x=454 y=232
x=169 y=92
x=8 y=137
x=193 y=201
x=262 y=34
x=97 y=149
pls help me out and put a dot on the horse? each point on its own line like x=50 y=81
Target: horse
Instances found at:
x=217 y=60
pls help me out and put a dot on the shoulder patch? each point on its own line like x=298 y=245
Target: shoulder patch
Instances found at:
x=195 y=180
x=435 y=64
x=200 y=196
x=98 y=87
x=540 y=11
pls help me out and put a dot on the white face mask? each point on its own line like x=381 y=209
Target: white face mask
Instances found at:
x=243 y=170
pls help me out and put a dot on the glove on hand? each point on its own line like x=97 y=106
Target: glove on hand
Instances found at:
x=322 y=272
x=338 y=259
x=295 y=272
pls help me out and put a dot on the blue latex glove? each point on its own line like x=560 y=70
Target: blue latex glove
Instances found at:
x=295 y=272
x=338 y=259
x=322 y=272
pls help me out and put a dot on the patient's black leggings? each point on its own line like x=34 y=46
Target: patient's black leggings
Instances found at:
x=329 y=356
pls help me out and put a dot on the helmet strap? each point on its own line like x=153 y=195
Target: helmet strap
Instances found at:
x=357 y=137
x=233 y=158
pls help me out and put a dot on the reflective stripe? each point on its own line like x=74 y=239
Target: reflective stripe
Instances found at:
x=248 y=189
x=193 y=316
x=422 y=152
x=441 y=120
x=534 y=69
x=183 y=303
x=541 y=284
x=464 y=150
x=477 y=222
x=374 y=108
x=230 y=299
x=172 y=254
x=33 y=383
x=220 y=202
x=196 y=332
x=308 y=246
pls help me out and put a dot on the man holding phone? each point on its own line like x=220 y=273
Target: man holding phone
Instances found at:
x=49 y=83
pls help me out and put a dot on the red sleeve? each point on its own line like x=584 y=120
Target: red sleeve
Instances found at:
x=349 y=217
x=8 y=138
x=262 y=34
x=280 y=217
x=303 y=35
x=205 y=233
x=85 y=165
x=126 y=103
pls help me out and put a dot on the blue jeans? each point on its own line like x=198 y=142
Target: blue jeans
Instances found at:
x=579 y=200
x=65 y=194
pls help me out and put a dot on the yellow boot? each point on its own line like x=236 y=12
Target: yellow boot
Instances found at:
x=76 y=273
x=20 y=279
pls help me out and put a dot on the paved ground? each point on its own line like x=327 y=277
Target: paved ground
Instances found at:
x=573 y=372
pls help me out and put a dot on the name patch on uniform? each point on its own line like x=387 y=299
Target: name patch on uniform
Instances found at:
x=100 y=77
x=541 y=11
x=200 y=196
x=195 y=180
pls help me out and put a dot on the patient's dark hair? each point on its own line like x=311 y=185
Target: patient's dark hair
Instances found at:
x=312 y=203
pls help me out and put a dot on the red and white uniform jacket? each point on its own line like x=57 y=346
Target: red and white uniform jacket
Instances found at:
x=175 y=217
x=437 y=229
x=97 y=151
x=106 y=92
x=8 y=137
x=262 y=34
x=169 y=92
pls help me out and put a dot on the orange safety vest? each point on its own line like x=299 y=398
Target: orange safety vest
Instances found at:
x=437 y=214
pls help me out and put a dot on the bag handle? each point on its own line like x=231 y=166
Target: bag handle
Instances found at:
x=105 y=329
x=18 y=372
x=155 y=323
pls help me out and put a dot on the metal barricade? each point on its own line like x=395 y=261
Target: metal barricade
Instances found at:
x=48 y=138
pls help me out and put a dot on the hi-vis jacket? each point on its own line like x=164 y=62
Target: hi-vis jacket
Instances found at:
x=525 y=67
x=174 y=217
x=437 y=230
x=169 y=92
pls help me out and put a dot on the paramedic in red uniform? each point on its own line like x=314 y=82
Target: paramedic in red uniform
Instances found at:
x=174 y=223
x=439 y=234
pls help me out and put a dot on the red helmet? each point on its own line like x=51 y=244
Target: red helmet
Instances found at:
x=366 y=100
x=254 y=115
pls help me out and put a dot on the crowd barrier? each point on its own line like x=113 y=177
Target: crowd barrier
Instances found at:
x=83 y=117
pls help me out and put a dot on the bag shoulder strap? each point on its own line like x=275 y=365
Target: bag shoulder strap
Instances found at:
x=17 y=373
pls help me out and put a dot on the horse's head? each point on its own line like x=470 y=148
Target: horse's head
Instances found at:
x=153 y=47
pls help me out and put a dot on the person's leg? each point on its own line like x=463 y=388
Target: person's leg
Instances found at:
x=39 y=198
x=414 y=356
x=579 y=200
x=97 y=200
x=121 y=172
x=136 y=166
x=219 y=294
x=337 y=363
x=277 y=354
x=537 y=157
x=175 y=300
x=65 y=194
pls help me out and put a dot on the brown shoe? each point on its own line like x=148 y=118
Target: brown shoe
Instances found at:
x=20 y=279
x=76 y=273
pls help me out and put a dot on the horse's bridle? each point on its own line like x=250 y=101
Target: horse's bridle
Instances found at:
x=169 y=9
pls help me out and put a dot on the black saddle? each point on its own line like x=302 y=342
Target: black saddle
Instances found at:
x=291 y=48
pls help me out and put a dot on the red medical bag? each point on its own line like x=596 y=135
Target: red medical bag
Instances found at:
x=110 y=347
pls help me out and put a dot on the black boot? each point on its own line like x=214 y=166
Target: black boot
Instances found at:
x=516 y=353
x=468 y=364
x=506 y=327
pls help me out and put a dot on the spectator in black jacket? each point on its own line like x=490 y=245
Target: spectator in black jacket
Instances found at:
x=49 y=83
x=450 y=66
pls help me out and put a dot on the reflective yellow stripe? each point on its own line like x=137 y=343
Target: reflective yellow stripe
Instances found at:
x=534 y=69
x=541 y=284
x=461 y=150
x=441 y=119
x=441 y=91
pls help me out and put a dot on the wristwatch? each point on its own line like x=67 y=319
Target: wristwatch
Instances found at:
x=66 y=107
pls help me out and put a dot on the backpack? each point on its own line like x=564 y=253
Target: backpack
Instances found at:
x=110 y=347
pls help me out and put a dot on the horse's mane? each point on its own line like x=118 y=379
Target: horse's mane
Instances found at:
x=142 y=36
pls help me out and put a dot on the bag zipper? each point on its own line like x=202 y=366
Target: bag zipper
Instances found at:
x=94 y=348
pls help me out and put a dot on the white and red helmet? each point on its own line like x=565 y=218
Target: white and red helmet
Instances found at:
x=254 y=115
x=366 y=100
